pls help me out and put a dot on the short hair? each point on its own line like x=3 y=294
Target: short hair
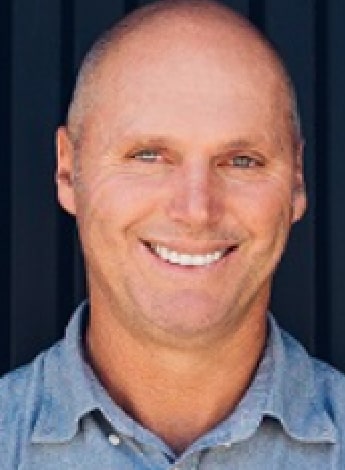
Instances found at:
x=82 y=96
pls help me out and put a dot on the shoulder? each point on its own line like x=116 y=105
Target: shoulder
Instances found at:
x=20 y=401
x=330 y=387
x=22 y=386
x=325 y=385
x=326 y=378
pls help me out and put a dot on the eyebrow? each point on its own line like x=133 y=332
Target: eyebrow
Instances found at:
x=146 y=141
x=139 y=141
x=240 y=143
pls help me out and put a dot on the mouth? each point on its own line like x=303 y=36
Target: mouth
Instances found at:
x=187 y=259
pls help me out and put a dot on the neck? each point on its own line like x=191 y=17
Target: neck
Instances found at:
x=179 y=394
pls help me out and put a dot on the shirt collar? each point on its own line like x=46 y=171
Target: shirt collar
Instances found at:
x=295 y=398
x=71 y=390
x=66 y=393
x=283 y=388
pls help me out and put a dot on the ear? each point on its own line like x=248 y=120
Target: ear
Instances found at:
x=65 y=170
x=299 y=201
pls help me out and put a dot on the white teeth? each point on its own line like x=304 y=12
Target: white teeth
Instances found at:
x=185 y=259
x=163 y=252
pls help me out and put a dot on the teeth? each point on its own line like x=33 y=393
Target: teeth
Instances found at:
x=185 y=259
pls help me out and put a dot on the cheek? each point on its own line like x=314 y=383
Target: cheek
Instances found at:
x=264 y=207
x=107 y=200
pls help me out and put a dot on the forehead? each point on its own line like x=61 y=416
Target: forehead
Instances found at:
x=191 y=43
x=189 y=72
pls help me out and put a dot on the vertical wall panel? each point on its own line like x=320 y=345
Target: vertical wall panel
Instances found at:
x=42 y=43
x=335 y=160
x=242 y=6
x=290 y=26
x=322 y=249
x=35 y=110
x=5 y=174
x=67 y=282
x=91 y=20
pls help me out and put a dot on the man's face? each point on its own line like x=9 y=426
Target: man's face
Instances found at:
x=186 y=187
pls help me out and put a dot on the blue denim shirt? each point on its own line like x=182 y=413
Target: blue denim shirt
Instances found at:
x=54 y=414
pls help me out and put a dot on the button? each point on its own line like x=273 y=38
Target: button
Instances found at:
x=114 y=439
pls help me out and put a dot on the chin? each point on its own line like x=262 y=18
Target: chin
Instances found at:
x=189 y=315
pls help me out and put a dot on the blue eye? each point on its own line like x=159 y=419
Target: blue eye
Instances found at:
x=243 y=161
x=146 y=155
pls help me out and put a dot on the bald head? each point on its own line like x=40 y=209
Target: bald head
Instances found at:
x=165 y=25
x=182 y=115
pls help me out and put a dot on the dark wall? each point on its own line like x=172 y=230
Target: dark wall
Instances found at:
x=42 y=43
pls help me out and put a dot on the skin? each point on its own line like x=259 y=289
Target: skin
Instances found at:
x=224 y=172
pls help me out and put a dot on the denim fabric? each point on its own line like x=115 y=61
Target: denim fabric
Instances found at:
x=54 y=414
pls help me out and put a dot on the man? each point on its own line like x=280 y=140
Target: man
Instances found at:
x=182 y=162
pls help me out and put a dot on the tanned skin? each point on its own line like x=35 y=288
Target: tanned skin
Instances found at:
x=188 y=146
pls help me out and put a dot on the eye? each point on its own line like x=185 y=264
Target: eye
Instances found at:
x=241 y=161
x=147 y=155
x=244 y=161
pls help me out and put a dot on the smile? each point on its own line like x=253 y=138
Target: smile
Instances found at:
x=186 y=259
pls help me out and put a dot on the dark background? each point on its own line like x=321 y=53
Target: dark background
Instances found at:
x=42 y=43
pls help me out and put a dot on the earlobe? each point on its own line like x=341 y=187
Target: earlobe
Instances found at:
x=64 y=170
x=299 y=203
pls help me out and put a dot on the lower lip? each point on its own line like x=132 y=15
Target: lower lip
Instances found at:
x=179 y=267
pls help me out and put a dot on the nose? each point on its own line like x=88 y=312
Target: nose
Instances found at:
x=194 y=200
